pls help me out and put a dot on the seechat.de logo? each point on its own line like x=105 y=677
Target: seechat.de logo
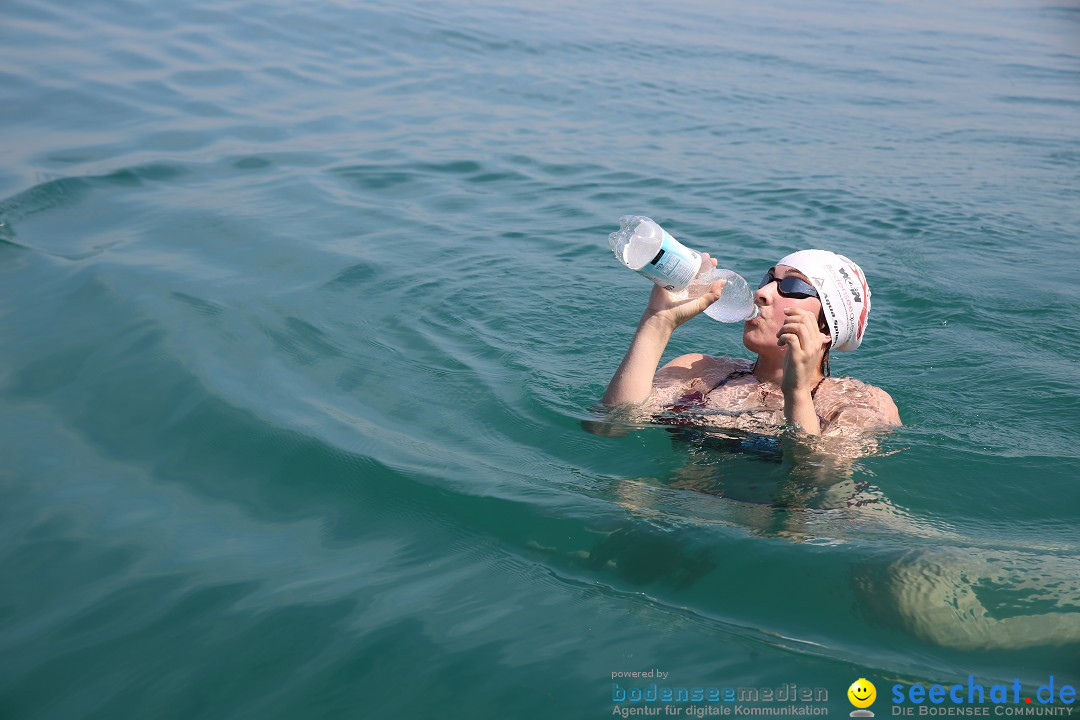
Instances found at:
x=862 y=694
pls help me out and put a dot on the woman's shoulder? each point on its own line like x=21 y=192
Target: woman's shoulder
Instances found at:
x=698 y=365
x=853 y=387
x=855 y=399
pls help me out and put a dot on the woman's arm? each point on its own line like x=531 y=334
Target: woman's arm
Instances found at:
x=851 y=428
x=632 y=382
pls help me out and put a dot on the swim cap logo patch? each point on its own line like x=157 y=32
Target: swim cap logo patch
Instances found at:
x=851 y=285
x=866 y=306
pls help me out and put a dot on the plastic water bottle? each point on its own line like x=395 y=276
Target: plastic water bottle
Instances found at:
x=642 y=245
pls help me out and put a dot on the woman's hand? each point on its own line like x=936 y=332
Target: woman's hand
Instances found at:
x=805 y=348
x=666 y=308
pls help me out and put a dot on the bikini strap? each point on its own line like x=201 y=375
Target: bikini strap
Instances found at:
x=746 y=371
x=730 y=376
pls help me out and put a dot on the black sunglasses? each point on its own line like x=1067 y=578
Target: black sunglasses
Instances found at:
x=789 y=287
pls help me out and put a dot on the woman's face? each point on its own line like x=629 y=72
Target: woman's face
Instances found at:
x=759 y=334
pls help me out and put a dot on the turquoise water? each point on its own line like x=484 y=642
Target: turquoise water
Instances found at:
x=303 y=307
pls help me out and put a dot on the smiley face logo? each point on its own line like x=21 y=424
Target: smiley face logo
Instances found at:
x=862 y=694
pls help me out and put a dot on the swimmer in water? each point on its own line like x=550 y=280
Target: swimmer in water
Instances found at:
x=938 y=584
x=810 y=302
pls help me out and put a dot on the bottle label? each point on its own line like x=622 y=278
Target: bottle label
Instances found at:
x=674 y=266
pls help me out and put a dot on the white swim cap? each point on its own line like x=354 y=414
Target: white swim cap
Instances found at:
x=844 y=294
